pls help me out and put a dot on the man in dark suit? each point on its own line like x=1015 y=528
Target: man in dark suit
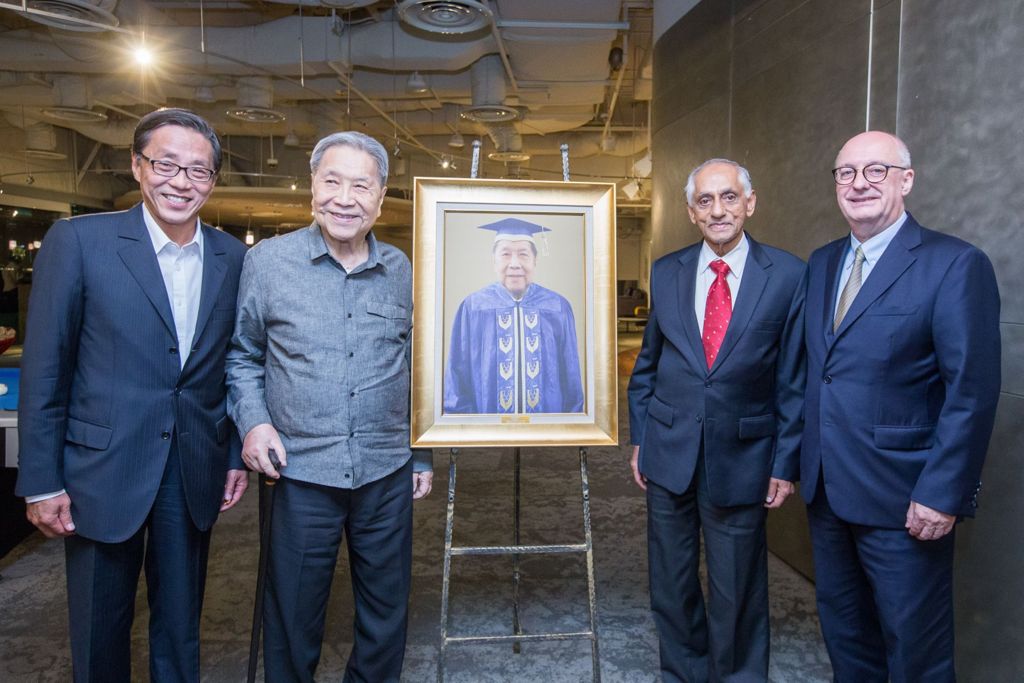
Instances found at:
x=714 y=411
x=126 y=450
x=902 y=334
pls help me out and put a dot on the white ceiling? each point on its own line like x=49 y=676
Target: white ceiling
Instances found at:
x=323 y=66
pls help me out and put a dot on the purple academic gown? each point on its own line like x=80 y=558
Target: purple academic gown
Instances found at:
x=511 y=356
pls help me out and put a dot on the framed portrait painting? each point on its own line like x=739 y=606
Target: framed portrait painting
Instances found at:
x=514 y=320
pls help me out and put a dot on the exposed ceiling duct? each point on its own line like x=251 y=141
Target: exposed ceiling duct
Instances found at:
x=73 y=100
x=488 y=89
x=529 y=75
x=256 y=101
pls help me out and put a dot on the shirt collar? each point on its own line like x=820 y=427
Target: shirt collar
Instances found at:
x=160 y=238
x=318 y=248
x=736 y=258
x=874 y=247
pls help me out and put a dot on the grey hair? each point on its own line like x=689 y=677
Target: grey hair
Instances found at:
x=691 y=181
x=903 y=151
x=355 y=140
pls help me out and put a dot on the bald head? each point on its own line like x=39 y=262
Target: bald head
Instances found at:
x=877 y=137
x=870 y=206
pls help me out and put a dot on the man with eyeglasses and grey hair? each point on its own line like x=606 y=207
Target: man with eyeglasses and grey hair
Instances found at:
x=714 y=417
x=318 y=373
x=126 y=449
x=903 y=353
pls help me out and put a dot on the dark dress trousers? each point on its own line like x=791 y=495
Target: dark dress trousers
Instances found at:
x=141 y=445
x=900 y=405
x=709 y=440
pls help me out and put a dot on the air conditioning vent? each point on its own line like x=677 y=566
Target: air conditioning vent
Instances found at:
x=445 y=16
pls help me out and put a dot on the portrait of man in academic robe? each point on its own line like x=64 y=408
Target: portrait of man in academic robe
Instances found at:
x=513 y=347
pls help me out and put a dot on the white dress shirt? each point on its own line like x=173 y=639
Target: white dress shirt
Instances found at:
x=736 y=259
x=873 y=249
x=182 y=270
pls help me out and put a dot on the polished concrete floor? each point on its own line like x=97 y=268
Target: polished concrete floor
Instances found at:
x=33 y=626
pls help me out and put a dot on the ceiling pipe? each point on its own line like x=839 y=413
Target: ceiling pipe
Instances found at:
x=408 y=136
x=502 y=50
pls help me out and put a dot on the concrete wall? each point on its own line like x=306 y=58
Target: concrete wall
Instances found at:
x=779 y=85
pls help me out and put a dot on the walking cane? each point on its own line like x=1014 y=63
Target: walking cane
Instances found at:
x=266 y=513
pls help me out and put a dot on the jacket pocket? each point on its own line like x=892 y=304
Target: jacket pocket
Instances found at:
x=88 y=434
x=661 y=411
x=905 y=438
x=757 y=427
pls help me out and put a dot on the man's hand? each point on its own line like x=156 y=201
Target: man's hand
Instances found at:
x=258 y=442
x=422 y=482
x=634 y=462
x=52 y=516
x=926 y=524
x=235 y=485
x=778 y=491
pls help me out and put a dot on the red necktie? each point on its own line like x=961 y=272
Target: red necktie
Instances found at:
x=717 y=311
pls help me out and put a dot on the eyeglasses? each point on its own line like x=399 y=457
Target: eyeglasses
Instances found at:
x=169 y=169
x=873 y=173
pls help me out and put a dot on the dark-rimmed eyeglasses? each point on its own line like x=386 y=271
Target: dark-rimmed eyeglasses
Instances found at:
x=873 y=173
x=169 y=169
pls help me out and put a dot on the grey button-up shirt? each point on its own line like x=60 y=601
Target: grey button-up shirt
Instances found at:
x=323 y=355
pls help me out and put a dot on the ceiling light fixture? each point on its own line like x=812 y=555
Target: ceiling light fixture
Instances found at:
x=250 y=238
x=416 y=83
x=446 y=161
x=143 y=55
x=642 y=166
x=456 y=140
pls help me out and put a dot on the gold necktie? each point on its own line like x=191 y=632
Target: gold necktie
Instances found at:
x=851 y=288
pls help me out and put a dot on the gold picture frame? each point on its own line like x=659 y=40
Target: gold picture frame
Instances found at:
x=452 y=259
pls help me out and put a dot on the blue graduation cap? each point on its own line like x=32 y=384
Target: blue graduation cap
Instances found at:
x=514 y=230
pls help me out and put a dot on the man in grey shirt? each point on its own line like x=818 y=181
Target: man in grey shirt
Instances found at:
x=318 y=371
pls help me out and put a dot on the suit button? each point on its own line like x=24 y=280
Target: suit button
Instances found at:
x=827 y=379
x=172 y=350
x=707 y=385
x=351 y=434
x=177 y=391
x=165 y=436
x=699 y=418
x=351 y=394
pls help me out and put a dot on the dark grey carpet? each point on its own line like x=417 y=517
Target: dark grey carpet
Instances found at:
x=33 y=627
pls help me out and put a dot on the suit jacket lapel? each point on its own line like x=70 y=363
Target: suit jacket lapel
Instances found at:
x=687 y=284
x=755 y=279
x=895 y=260
x=213 y=277
x=136 y=251
x=832 y=266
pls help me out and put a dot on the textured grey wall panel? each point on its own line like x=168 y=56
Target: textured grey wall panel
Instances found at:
x=687 y=142
x=962 y=113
